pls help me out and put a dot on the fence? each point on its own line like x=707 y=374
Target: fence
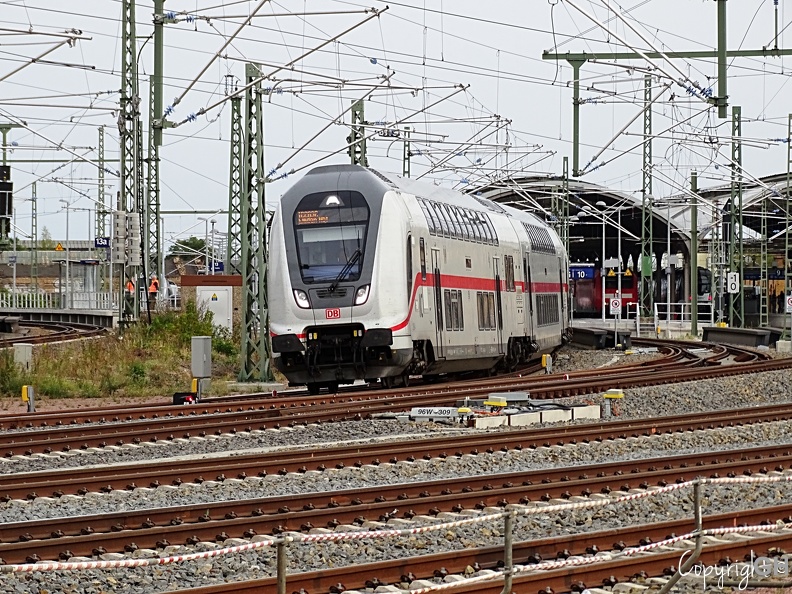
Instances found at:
x=90 y=300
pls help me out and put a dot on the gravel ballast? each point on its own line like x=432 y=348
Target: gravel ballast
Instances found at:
x=727 y=392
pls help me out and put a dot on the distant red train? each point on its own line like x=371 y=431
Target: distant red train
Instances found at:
x=585 y=287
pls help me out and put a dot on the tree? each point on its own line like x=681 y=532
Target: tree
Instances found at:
x=46 y=243
x=192 y=246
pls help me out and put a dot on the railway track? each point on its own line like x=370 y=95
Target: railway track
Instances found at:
x=86 y=536
x=573 y=578
x=674 y=353
x=56 y=332
x=96 y=429
x=83 y=480
x=157 y=529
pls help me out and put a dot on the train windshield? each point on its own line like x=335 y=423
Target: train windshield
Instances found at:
x=330 y=229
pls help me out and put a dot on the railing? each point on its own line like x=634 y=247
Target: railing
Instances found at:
x=680 y=313
x=93 y=300
x=76 y=300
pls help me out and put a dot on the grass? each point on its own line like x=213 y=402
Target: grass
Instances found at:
x=147 y=360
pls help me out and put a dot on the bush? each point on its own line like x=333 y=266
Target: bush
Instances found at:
x=56 y=387
x=137 y=373
x=11 y=376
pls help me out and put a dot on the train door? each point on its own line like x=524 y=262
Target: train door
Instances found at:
x=529 y=307
x=422 y=294
x=438 y=302
x=498 y=303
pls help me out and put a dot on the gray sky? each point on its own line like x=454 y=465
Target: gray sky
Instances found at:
x=429 y=47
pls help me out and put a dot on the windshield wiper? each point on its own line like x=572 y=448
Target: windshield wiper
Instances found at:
x=345 y=270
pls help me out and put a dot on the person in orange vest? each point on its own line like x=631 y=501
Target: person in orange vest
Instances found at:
x=153 y=288
x=130 y=294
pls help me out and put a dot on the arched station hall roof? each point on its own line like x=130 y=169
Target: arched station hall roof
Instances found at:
x=534 y=193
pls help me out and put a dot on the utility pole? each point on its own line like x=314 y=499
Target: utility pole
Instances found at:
x=255 y=316
x=152 y=235
x=694 y=253
x=101 y=209
x=101 y=205
x=764 y=310
x=130 y=137
x=233 y=264
x=736 y=255
x=34 y=237
x=646 y=279
x=787 y=232
x=357 y=137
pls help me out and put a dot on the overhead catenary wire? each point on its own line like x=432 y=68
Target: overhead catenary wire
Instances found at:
x=217 y=54
x=260 y=79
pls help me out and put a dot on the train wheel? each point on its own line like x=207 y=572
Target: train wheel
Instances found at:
x=333 y=388
x=406 y=380
x=387 y=382
x=313 y=389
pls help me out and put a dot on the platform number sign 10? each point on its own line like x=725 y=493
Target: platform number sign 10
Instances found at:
x=733 y=282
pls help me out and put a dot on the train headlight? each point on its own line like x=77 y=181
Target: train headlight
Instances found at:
x=362 y=295
x=301 y=297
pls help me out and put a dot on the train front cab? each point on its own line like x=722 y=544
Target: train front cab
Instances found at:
x=332 y=240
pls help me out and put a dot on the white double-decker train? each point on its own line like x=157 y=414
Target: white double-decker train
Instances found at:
x=381 y=278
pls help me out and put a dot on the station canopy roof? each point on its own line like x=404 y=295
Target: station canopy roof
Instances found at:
x=534 y=193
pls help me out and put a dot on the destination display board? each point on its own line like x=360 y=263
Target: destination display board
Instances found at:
x=311 y=217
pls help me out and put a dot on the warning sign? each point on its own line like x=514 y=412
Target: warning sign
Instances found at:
x=611 y=273
x=789 y=304
x=214 y=296
x=615 y=306
x=59 y=248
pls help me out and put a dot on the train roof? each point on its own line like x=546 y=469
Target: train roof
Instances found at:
x=427 y=190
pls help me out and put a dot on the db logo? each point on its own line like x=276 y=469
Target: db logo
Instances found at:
x=333 y=314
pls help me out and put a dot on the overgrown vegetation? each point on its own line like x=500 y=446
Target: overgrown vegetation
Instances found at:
x=146 y=360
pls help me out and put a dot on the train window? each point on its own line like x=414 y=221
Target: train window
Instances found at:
x=468 y=263
x=456 y=301
x=491 y=310
x=448 y=315
x=445 y=227
x=330 y=235
x=422 y=254
x=485 y=303
x=453 y=309
x=430 y=219
x=467 y=228
x=540 y=239
x=409 y=268
x=508 y=263
x=483 y=231
x=474 y=225
x=493 y=237
x=452 y=232
x=460 y=219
